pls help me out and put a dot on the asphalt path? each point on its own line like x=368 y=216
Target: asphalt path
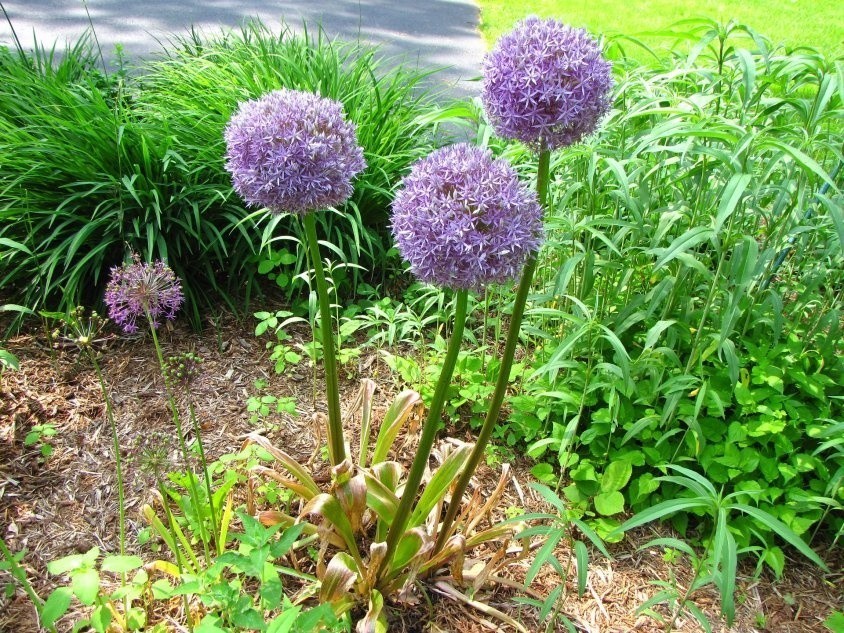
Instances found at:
x=424 y=33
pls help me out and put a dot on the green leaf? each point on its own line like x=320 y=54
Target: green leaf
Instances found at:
x=100 y=619
x=439 y=485
x=328 y=507
x=660 y=511
x=783 y=531
x=121 y=564
x=731 y=196
x=544 y=471
x=56 y=606
x=249 y=618
x=69 y=563
x=700 y=616
x=592 y=535
x=775 y=559
x=375 y=620
x=744 y=396
x=339 y=578
x=656 y=331
x=835 y=622
x=669 y=542
x=616 y=476
x=609 y=503
x=85 y=584
x=288 y=538
x=392 y=422
x=681 y=245
x=550 y=497
x=308 y=487
x=9 y=360
x=210 y=624
x=642 y=487
x=136 y=619
x=582 y=557
x=544 y=555
x=286 y=258
x=284 y=622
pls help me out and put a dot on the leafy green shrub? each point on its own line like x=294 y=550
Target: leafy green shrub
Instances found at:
x=93 y=164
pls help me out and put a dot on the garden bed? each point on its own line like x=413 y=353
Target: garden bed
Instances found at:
x=66 y=503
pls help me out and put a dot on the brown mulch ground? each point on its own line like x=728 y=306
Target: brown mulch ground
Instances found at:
x=67 y=503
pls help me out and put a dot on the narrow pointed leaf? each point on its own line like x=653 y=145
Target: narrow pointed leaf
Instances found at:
x=659 y=511
x=582 y=557
x=340 y=577
x=290 y=464
x=394 y=419
x=783 y=531
x=329 y=508
x=438 y=487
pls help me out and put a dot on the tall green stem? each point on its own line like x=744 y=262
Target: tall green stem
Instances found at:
x=121 y=509
x=198 y=432
x=336 y=444
x=429 y=430
x=174 y=410
x=504 y=372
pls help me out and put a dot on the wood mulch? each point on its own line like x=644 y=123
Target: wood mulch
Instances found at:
x=67 y=503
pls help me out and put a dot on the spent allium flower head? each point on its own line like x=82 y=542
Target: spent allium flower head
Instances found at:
x=138 y=289
x=464 y=221
x=292 y=151
x=546 y=84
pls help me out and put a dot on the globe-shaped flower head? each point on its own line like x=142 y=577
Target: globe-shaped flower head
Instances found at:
x=546 y=84
x=140 y=290
x=292 y=151
x=464 y=221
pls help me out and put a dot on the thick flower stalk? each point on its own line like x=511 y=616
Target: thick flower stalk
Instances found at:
x=294 y=152
x=464 y=221
x=140 y=290
x=546 y=84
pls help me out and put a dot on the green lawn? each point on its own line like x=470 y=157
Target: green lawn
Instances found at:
x=819 y=23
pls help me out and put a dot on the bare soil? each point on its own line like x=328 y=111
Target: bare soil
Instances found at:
x=67 y=503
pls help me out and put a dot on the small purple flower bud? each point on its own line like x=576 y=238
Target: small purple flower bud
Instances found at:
x=140 y=290
x=546 y=84
x=464 y=221
x=292 y=151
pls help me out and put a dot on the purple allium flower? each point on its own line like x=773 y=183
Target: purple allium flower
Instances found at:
x=292 y=151
x=137 y=289
x=546 y=84
x=463 y=220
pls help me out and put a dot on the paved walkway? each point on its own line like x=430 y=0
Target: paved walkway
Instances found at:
x=430 y=33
